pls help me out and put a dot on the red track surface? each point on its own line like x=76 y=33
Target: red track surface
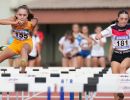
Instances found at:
x=99 y=96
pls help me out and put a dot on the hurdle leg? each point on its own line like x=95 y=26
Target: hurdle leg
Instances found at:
x=80 y=96
x=49 y=94
x=22 y=95
x=28 y=94
x=62 y=93
x=17 y=95
x=0 y=95
x=33 y=93
x=7 y=95
x=93 y=95
x=87 y=96
x=71 y=95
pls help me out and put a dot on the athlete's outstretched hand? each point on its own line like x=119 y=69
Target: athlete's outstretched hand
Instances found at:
x=98 y=36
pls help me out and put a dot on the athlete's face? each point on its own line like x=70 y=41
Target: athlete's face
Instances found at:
x=22 y=14
x=123 y=19
x=75 y=28
x=84 y=29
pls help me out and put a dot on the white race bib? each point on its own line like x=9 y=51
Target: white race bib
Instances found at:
x=121 y=42
x=21 y=34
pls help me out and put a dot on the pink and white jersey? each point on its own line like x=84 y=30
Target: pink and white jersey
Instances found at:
x=120 y=36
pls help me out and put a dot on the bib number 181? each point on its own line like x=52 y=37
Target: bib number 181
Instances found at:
x=122 y=43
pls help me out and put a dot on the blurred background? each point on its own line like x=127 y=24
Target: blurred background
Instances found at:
x=57 y=16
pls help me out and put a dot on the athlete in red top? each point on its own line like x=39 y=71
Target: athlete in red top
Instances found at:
x=120 y=33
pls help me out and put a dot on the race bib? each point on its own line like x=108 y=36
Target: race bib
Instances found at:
x=121 y=42
x=21 y=34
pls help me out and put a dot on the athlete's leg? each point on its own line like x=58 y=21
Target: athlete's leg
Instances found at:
x=17 y=62
x=102 y=61
x=125 y=64
x=115 y=67
x=24 y=57
x=6 y=53
x=115 y=70
x=11 y=61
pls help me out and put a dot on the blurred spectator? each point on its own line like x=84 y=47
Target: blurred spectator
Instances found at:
x=41 y=37
x=40 y=34
x=34 y=57
x=98 y=55
x=78 y=37
x=68 y=47
x=86 y=45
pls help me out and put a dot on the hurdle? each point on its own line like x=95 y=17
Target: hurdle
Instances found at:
x=84 y=81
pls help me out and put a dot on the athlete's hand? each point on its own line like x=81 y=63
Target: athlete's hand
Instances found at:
x=98 y=36
x=19 y=22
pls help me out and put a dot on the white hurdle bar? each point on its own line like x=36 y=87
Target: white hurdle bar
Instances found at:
x=38 y=79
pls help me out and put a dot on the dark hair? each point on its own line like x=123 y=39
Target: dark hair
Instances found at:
x=69 y=33
x=123 y=11
x=30 y=15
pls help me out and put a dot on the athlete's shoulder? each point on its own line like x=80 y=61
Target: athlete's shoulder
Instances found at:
x=113 y=25
x=29 y=22
x=29 y=25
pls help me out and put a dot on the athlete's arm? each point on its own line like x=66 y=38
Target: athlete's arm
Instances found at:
x=110 y=52
x=9 y=21
x=105 y=33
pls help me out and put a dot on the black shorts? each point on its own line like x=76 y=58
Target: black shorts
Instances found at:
x=119 y=56
x=31 y=57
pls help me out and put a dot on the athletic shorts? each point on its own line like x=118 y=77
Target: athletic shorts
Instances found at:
x=32 y=57
x=17 y=45
x=119 y=56
x=84 y=53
